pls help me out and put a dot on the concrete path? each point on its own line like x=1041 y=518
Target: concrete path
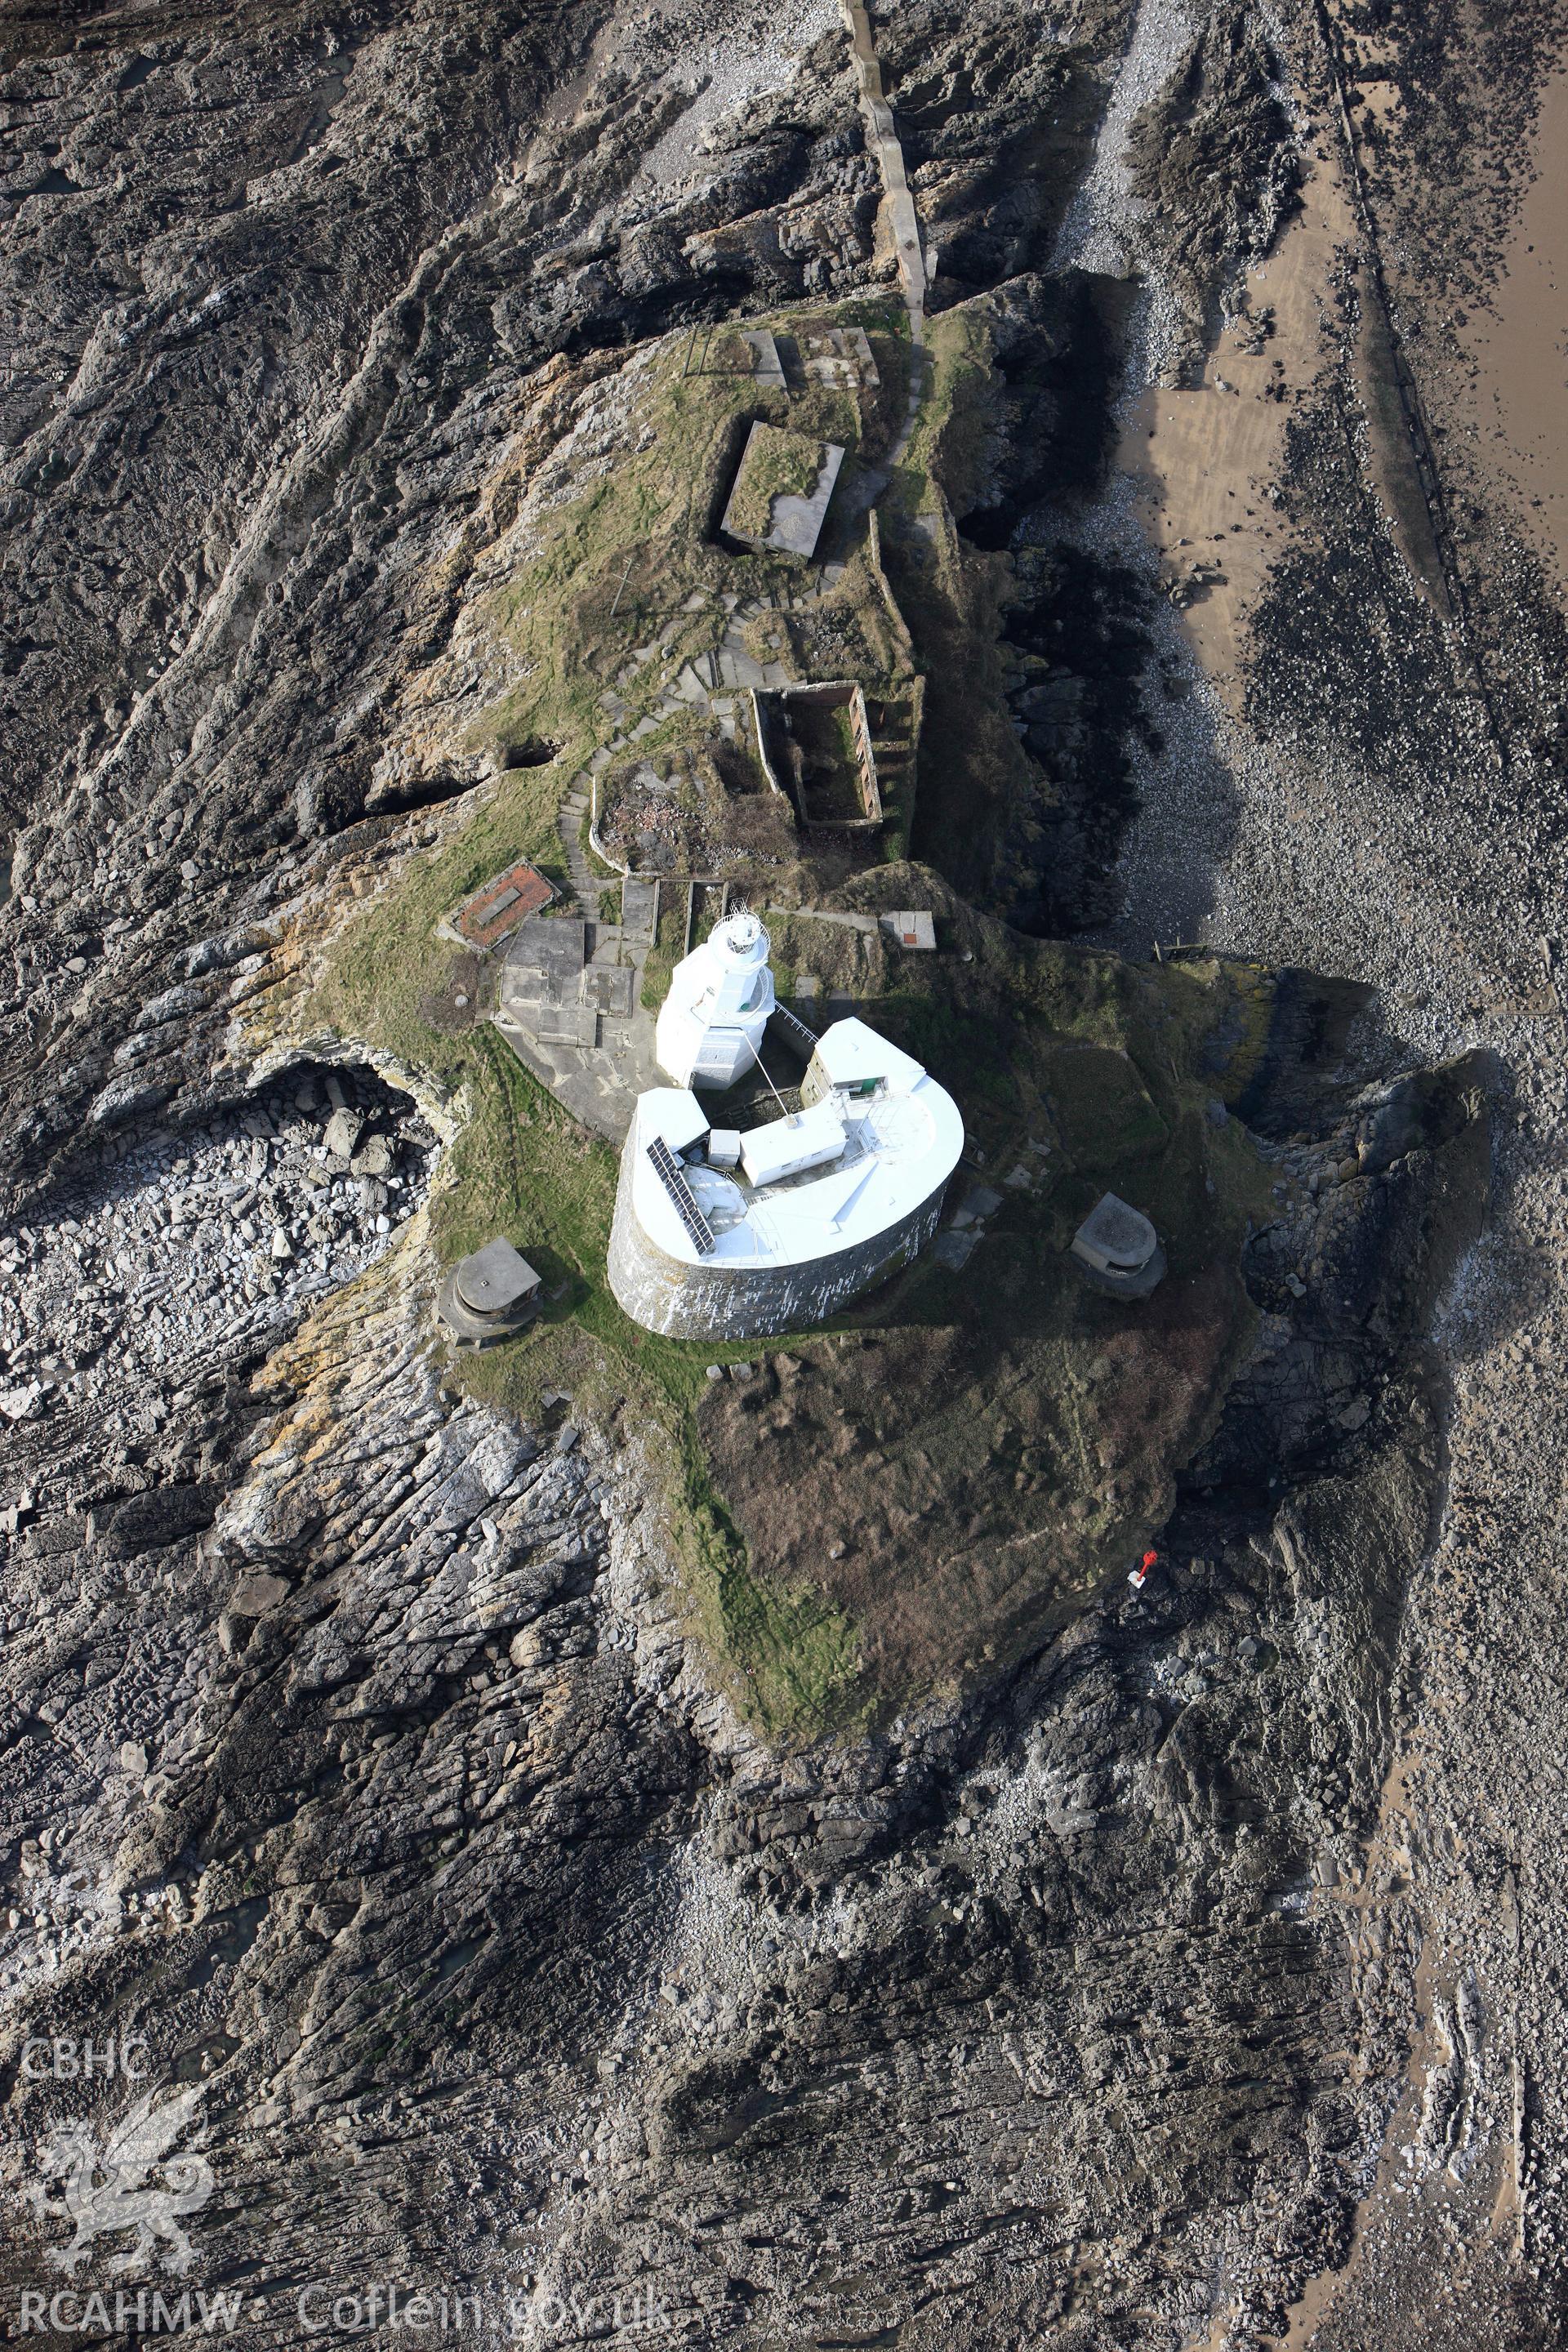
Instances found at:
x=586 y=883
x=882 y=134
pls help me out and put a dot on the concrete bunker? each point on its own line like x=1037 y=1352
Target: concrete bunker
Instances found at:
x=489 y=1296
x=1119 y=1249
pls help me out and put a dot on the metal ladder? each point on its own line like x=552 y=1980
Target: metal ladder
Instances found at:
x=793 y=1031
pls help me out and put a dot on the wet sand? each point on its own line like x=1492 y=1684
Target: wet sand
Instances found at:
x=1412 y=882
x=1203 y=459
x=1517 y=402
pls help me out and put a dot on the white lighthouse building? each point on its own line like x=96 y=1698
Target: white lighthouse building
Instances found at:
x=726 y=1235
x=711 y=1025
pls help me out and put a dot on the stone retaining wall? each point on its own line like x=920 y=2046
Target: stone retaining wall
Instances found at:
x=710 y=1302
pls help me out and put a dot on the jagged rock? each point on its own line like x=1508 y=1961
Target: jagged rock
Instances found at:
x=363 y=1753
x=341 y=1134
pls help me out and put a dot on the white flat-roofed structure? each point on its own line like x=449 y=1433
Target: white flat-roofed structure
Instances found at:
x=787 y=1147
x=824 y=1203
x=711 y=1026
x=853 y=1062
x=676 y=1115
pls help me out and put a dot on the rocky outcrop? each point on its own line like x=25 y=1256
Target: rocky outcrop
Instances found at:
x=361 y=1754
x=1213 y=159
x=386 y=1795
x=168 y=1250
x=184 y=569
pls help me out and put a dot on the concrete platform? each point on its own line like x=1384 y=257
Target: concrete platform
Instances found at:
x=544 y=962
x=954 y=1250
x=608 y=988
x=566 y=1024
x=911 y=928
x=639 y=909
x=598 y=1082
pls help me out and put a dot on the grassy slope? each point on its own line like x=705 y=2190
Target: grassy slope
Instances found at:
x=802 y=1655
x=981 y=1449
x=612 y=566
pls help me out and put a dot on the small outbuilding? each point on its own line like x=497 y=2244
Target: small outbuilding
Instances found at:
x=489 y=1296
x=1119 y=1249
x=502 y=904
x=853 y=1063
x=811 y=1137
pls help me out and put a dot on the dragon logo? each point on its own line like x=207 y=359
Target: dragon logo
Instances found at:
x=106 y=2190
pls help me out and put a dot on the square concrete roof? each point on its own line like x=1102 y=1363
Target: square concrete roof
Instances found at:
x=788 y=477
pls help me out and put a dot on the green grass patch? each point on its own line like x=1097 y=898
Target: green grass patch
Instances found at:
x=668 y=947
x=1036 y=1041
x=960 y=1459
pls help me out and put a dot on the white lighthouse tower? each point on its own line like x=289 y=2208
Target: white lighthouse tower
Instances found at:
x=723 y=1235
x=711 y=1026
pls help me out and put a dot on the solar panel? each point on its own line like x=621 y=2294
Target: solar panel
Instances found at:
x=667 y=1170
